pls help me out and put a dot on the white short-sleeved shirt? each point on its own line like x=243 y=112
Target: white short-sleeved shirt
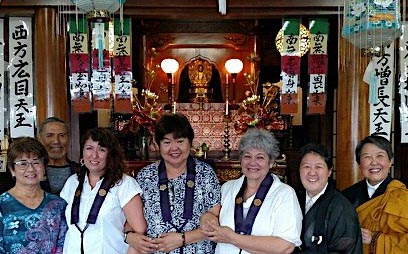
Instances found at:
x=279 y=215
x=106 y=235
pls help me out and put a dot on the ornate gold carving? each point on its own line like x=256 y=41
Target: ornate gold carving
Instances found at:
x=228 y=174
x=233 y=171
x=200 y=72
x=237 y=40
x=279 y=170
x=161 y=41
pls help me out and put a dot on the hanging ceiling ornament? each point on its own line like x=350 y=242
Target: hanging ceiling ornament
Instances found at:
x=371 y=24
x=222 y=7
x=99 y=10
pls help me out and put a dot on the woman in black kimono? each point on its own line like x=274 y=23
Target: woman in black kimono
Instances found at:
x=330 y=223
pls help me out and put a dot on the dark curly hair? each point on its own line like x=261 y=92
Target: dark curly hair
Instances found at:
x=115 y=161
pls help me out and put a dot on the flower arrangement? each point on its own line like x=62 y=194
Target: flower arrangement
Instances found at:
x=253 y=112
x=146 y=111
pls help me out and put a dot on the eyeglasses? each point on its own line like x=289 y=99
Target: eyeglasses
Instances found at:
x=23 y=165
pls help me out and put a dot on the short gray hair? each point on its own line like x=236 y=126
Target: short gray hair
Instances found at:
x=259 y=139
x=52 y=120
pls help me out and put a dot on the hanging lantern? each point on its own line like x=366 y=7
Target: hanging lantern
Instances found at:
x=371 y=24
x=99 y=10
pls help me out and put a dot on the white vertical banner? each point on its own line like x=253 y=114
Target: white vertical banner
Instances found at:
x=22 y=110
x=123 y=87
x=289 y=83
x=403 y=82
x=2 y=84
x=381 y=112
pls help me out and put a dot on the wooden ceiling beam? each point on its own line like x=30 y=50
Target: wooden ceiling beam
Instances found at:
x=204 y=9
x=193 y=4
x=235 y=14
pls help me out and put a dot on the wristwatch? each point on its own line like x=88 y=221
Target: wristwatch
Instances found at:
x=126 y=235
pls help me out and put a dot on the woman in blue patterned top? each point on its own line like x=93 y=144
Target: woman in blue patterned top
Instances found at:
x=31 y=220
x=177 y=190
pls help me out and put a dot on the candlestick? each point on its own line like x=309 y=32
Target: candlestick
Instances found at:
x=174 y=107
x=227 y=148
x=226 y=108
x=226 y=78
x=226 y=92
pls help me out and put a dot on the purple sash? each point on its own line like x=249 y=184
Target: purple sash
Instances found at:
x=245 y=227
x=188 y=198
x=96 y=206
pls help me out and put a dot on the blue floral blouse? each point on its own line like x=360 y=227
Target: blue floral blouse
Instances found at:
x=28 y=231
x=207 y=194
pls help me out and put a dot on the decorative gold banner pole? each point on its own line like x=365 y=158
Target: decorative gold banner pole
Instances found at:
x=227 y=149
x=3 y=155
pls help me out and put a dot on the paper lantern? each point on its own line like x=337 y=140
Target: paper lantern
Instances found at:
x=234 y=66
x=169 y=65
x=99 y=10
x=371 y=23
x=89 y=5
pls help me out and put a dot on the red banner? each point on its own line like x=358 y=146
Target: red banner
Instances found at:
x=122 y=66
x=79 y=66
x=318 y=62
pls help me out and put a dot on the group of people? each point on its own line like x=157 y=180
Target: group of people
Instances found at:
x=176 y=205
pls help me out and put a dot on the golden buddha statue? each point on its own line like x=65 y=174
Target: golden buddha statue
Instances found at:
x=200 y=72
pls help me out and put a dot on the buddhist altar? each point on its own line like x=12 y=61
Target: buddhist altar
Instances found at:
x=208 y=122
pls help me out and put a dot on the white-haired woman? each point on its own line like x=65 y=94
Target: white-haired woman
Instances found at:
x=259 y=213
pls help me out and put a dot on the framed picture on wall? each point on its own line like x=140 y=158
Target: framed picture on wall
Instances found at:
x=3 y=163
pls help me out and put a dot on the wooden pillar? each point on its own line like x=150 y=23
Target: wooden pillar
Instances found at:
x=352 y=113
x=50 y=65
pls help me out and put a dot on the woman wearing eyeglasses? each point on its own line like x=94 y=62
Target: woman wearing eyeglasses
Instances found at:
x=31 y=220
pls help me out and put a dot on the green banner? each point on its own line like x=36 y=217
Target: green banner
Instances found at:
x=291 y=26
x=319 y=26
x=118 y=26
x=81 y=27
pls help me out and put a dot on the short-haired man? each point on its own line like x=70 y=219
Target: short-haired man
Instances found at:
x=53 y=133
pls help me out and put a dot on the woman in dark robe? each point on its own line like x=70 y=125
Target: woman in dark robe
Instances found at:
x=330 y=223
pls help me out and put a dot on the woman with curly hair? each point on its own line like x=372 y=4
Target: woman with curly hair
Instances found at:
x=101 y=198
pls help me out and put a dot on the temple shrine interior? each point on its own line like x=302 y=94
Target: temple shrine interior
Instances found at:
x=286 y=66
